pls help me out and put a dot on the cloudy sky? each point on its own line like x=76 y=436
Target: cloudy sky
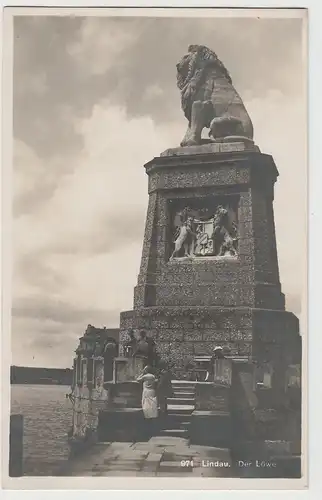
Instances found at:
x=94 y=99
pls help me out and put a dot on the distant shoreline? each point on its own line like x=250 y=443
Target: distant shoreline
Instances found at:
x=40 y=383
x=40 y=376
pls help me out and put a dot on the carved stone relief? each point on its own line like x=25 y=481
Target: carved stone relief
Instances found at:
x=204 y=232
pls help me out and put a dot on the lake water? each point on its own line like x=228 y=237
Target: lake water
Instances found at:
x=47 y=419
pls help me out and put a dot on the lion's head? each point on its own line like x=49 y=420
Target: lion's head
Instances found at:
x=191 y=73
x=195 y=61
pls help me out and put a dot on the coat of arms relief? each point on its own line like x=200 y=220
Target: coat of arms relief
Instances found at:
x=205 y=233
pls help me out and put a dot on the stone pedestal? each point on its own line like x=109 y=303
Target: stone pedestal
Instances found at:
x=189 y=304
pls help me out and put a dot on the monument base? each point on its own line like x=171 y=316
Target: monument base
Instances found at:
x=231 y=144
x=181 y=333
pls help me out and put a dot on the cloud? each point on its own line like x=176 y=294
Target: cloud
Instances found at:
x=51 y=314
x=98 y=199
x=45 y=81
x=77 y=250
x=42 y=343
x=35 y=179
x=99 y=36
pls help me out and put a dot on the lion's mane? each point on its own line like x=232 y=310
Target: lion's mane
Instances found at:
x=192 y=71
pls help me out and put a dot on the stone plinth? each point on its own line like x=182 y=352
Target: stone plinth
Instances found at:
x=127 y=369
x=212 y=397
x=240 y=144
x=124 y=395
x=189 y=304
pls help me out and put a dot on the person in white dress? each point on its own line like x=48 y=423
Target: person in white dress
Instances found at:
x=149 y=397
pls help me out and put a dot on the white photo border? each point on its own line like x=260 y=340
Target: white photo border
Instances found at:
x=314 y=261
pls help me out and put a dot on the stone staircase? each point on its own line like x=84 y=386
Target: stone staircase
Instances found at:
x=180 y=408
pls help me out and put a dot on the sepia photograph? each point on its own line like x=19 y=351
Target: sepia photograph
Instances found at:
x=158 y=215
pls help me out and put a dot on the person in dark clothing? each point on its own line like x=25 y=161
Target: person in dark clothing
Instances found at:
x=164 y=389
x=130 y=346
x=219 y=353
x=145 y=349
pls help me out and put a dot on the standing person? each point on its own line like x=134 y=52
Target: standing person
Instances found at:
x=130 y=346
x=149 y=397
x=145 y=349
x=213 y=370
x=164 y=389
x=219 y=352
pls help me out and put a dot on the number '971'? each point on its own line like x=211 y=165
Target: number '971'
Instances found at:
x=186 y=463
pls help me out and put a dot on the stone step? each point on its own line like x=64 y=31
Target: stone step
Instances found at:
x=183 y=388
x=184 y=394
x=183 y=433
x=179 y=417
x=184 y=425
x=180 y=409
x=181 y=382
x=181 y=401
x=187 y=387
x=177 y=422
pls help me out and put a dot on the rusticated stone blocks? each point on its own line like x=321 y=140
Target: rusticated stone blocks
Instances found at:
x=212 y=397
x=181 y=333
x=184 y=332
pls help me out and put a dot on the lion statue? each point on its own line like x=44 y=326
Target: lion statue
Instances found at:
x=209 y=100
